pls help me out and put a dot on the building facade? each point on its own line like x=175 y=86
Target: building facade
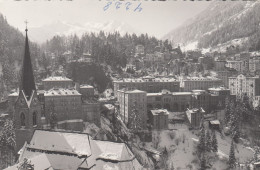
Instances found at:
x=242 y=84
x=160 y=119
x=57 y=82
x=199 y=83
x=180 y=101
x=195 y=116
x=133 y=107
x=148 y=84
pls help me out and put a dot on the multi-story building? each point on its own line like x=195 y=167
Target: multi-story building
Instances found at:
x=199 y=83
x=254 y=64
x=194 y=116
x=176 y=101
x=148 y=84
x=241 y=65
x=86 y=90
x=180 y=101
x=218 y=96
x=65 y=103
x=159 y=119
x=220 y=65
x=249 y=85
x=133 y=107
x=224 y=75
x=201 y=98
x=57 y=82
x=91 y=111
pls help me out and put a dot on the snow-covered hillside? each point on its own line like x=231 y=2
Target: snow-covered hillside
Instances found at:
x=222 y=23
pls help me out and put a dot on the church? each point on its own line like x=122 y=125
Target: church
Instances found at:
x=32 y=108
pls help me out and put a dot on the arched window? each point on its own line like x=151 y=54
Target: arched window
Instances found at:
x=22 y=118
x=34 y=118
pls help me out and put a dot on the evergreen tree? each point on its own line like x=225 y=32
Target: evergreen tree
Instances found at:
x=135 y=123
x=201 y=145
x=232 y=158
x=7 y=144
x=214 y=142
x=203 y=162
x=234 y=127
x=208 y=141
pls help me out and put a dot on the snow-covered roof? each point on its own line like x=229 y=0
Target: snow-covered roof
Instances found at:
x=86 y=86
x=135 y=91
x=57 y=78
x=71 y=150
x=160 y=112
x=147 y=79
x=217 y=88
x=215 y=122
x=73 y=143
x=62 y=92
x=39 y=162
x=114 y=151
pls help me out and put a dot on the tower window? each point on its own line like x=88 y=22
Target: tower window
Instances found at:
x=22 y=117
x=34 y=118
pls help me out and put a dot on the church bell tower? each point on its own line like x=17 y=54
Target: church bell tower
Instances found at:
x=27 y=108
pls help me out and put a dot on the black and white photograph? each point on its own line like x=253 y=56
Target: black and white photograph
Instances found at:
x=129 y=85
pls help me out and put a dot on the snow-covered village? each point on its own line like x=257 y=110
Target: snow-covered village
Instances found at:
x=129 y=85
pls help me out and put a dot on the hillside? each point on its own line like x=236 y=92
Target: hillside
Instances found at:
x=219 y=24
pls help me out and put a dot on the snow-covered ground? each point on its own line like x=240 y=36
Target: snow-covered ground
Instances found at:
x=181 y=143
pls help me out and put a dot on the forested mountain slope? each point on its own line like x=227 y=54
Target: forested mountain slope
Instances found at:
x=222 y=22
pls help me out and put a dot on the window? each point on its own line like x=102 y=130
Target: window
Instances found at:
x=34 y=118
x=22 y=117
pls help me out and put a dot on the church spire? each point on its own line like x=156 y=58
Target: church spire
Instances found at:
x=27 y=84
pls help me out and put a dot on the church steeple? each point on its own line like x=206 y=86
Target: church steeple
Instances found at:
x=27 y=84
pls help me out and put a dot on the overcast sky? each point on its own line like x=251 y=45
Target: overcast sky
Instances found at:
x=156 y=18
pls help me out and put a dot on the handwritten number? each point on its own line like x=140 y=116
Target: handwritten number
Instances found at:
x=127 y=5
x=118 y=4
x=107 y=6
x=138 y=8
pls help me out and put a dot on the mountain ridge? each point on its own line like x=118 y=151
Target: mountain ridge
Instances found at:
x=46 y=32
x=220 y=23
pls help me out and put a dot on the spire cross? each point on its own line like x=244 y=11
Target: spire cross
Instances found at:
x=26 y=22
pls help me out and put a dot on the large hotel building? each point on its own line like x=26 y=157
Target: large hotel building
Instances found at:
x=148 y=84
x=249 y=85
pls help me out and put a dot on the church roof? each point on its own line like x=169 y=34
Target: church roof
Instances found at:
x=27 y=83
x=71 y=150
